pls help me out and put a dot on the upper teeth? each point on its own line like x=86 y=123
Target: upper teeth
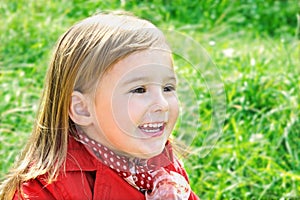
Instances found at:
x=153 y=125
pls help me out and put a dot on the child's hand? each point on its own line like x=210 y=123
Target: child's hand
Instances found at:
x=168 y=186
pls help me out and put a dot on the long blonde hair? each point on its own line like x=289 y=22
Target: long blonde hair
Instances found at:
x=82 y=55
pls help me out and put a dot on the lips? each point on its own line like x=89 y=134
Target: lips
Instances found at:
x=153 y=129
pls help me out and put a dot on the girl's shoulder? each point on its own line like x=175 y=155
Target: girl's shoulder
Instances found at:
x=78 y=168
x=82 y=177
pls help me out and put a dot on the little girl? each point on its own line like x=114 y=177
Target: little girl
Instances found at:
x=107 y=112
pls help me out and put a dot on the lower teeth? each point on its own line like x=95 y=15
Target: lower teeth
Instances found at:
x=152 y=130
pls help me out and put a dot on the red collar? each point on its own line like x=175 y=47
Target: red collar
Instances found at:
x=79 y=158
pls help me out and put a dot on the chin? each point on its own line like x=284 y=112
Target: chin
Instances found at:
x=148 y=148
x=152 y=151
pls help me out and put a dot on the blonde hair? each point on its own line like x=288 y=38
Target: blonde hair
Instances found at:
x=82 y=55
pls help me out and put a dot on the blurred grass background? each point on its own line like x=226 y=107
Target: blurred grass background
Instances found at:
x=254 y=45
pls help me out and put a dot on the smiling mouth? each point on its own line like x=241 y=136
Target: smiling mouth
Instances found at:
x=153 y=129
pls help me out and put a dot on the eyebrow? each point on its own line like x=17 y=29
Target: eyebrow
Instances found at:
x=146 y=79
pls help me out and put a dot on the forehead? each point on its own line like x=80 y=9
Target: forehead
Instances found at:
x=154 y=62
x=146 y=57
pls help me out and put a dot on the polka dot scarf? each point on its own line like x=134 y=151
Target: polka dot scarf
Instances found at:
x=135 y=171
x=148 y=176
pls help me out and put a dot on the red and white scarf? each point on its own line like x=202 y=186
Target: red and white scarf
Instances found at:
x=148 y=176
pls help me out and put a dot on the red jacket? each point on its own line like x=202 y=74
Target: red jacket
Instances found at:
x=85 y=178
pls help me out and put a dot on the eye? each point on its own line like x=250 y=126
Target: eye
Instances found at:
x=139 y=90
x=169 y=88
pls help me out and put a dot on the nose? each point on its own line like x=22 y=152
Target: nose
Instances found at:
x=159 y=102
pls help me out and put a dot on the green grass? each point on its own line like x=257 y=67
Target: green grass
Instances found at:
x=257 y=156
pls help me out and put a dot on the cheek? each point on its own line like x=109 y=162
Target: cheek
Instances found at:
x=174 y=108
x=124 y=112
x=136 y=108
x=104 y=110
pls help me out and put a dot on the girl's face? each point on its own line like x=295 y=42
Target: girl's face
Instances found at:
x=135 y=105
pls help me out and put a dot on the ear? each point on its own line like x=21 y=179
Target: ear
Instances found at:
x=79 y=109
